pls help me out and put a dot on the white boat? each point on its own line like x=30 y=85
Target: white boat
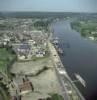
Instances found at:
x=60 y=51
x=56 y=40
x=80 y=79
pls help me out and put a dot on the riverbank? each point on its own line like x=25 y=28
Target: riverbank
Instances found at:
x=80 y=58
x=87 y=29
x=71 y=91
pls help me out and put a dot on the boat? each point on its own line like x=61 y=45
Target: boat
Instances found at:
x=60 y=51
x=56 y=41
x=80 y=79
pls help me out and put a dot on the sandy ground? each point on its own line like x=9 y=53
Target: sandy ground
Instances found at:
x=30 y=66
x=44 y=84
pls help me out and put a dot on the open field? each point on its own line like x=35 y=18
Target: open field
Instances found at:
x=30 y=67
x=45 y=83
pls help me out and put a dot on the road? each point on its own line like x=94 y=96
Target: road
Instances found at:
x=55 y=59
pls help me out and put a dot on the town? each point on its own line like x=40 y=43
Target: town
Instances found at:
x=30 y=66
x=28 y=73
x=48 y=49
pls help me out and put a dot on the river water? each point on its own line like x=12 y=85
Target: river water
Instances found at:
x=80 y=56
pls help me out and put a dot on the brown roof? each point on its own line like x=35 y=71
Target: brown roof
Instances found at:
x=25 y=86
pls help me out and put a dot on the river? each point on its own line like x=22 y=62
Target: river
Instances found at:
x=80 y=56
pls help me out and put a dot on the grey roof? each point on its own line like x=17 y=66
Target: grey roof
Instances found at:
x=25 y=46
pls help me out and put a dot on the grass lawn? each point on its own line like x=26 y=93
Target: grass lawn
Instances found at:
x=56 y=97
x=6 y=57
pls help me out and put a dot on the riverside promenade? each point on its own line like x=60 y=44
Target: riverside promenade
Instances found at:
x=69 y=90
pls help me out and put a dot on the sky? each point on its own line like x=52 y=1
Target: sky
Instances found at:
x=49 y=5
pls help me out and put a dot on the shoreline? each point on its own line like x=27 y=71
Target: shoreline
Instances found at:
x=56 y=59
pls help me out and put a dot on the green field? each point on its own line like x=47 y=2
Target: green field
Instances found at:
x=6 y=58
x=85 y=28
x=56 y=97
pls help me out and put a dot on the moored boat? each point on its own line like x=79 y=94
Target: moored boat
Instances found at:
x=80 y=79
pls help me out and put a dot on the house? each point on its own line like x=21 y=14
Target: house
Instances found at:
x=91 y=38
x=26 y=87
x=94 y=32
x=24 y=49
x=40 y=53
x=31 y=42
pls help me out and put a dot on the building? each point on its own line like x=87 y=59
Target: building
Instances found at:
x=23 y=50
x=26 y=87
x=40 y=53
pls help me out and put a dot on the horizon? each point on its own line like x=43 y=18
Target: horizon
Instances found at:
x=85 y=6
x=41 y=12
